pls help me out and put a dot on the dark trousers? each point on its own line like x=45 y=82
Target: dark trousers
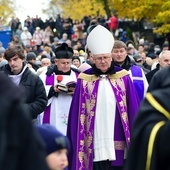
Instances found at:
x=105 y=165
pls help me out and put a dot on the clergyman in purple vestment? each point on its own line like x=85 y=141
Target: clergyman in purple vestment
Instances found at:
x=102 y=111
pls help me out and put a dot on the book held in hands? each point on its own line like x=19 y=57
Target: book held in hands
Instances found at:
x=65 y=87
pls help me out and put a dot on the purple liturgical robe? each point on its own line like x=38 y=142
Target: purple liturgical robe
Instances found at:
x=82 y=115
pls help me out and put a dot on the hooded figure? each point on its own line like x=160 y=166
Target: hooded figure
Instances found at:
x=149 y=149
x=124 y=37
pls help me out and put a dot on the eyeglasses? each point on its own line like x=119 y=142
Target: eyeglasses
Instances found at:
x=99 y=59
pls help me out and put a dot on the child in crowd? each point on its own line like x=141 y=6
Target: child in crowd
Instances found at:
x=57 y=146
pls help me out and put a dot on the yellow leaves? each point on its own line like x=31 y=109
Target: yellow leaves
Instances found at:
x=5 y=9
x=164 y=29
x=153 y=10
x=162 y=17
x=165 y=6
x=78 y=9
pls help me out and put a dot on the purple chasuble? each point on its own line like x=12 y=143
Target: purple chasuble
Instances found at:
x=82 y=116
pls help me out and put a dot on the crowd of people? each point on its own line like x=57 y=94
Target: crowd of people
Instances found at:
x=75 y=96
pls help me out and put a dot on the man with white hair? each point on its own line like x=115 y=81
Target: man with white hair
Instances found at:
x=45 y=62
x=163 y=61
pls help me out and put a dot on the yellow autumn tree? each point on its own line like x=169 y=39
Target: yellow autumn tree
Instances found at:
x=133 y=9
x=163 y=18
x=77 y=9
x=137 y=9
x=6 y=9
x=157 y=11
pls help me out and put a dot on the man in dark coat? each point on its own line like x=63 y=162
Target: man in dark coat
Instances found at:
x=164 y=61
x=35 y=96
x=149 y=149
x=21 y=148
x=162 y=76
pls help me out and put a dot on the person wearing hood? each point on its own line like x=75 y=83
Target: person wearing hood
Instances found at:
x=149 y=149
x=124 y=37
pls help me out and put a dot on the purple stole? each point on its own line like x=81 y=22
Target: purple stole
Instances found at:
x=46 y=116
x=49 y=81
x=138 y=83
x=87 y=103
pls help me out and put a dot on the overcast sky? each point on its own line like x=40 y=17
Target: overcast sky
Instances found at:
x=30 y=7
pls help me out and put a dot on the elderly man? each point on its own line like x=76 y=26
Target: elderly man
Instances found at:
x=45 y=62
x=59 y=100
x=103 y=108
x=163 y=61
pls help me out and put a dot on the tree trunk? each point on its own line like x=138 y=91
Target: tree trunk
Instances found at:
x=106 y=8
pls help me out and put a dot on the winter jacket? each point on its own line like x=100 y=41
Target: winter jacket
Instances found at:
x=34 y=91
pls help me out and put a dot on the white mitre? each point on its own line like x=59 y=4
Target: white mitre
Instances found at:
x=100 y=40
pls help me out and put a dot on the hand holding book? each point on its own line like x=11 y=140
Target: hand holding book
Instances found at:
x=68 y=87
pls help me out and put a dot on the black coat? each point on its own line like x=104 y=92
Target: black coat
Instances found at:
x=34 y=91
x=128 y=63
x=21 y=147
x=161 y=77
x=149 y=115
x=150 y=74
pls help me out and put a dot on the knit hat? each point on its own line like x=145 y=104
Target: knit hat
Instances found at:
x=64 y=51
x=53 y=139
x=137 y=58
x=31 y=56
